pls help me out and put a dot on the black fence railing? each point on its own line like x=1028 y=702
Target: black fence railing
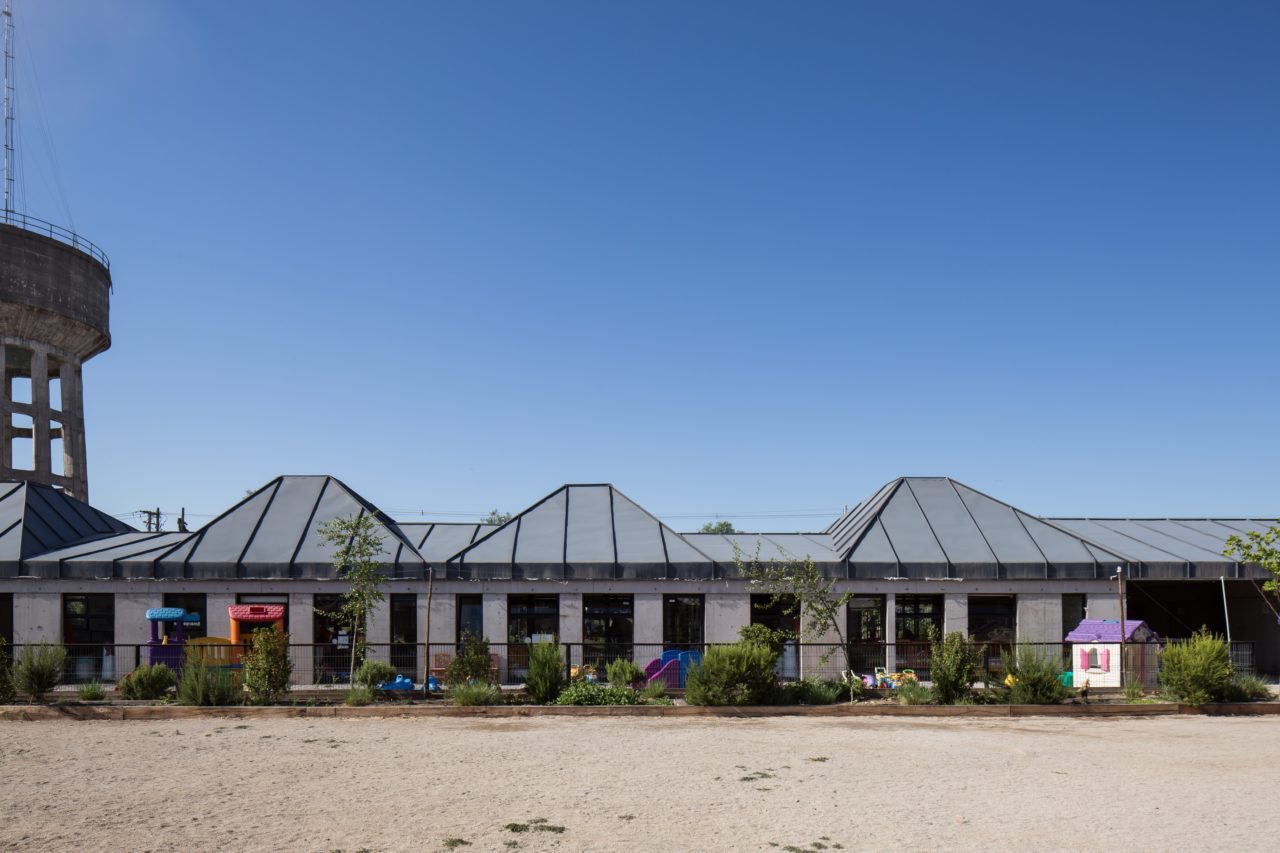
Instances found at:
x=329 y=664
x=55 y=232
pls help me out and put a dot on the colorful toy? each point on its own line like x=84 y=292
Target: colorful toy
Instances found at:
x=254 y=616
x=893 y=680
x=163 y=647
x=672 y=667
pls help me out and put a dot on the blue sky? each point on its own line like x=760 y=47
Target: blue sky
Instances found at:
x=732 y=257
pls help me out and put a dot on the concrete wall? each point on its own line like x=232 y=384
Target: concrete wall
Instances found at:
x=955 y=613
x=444 y=619
x=1102 y=605
x=648 y=617
x=1039 y=618
x=725 y=614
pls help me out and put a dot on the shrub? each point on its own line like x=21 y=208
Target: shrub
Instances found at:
x=740 y=674
x=953 y=667
x=820 y=691
x=475 y=694
x=1033 y=677
x=1133 y=692
x=38 y=669
x=624 y=673
x=204 y=685
x=1197 y=670
x=267 y=667
x=913 y=692
x=146 y=682
x=594 y=693
x=771 y=638
x=656 y=692
x=546 y=672
x=372 y=674
x=1247 y=688
x=471 y=664
x=7 y=690
x=361 y=695
x=91 y=691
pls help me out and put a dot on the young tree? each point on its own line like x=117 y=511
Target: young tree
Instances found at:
x=801 y=588
x=495 y=517
x=357 y=545
x=1259 y=548
x=717 y=527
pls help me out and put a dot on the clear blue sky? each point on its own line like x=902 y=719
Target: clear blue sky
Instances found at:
x=736 y=257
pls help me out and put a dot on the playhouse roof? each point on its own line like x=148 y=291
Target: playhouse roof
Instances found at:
x=1105 y=630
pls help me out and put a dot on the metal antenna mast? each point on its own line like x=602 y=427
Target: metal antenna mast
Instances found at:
x=8 y=112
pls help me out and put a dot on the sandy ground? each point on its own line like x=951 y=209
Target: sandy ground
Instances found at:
x=624 y=784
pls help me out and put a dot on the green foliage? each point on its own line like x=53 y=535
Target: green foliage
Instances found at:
x=717 y=527
x=595 y=693
x=1247 y=688
x=1260 y=548
x=953 y=667
x=38 y=669
x=1133 y=693
x=147 y=682
x=201 y=684
x=773 y=639
x=372 y=674
x=474 y=693
x=1033 y=677
x=913 y=692
x=7 y=689
x=740 y=674
x=266 y=666
x=813 y=691
x=624 y=673
x=546 y=672
x=357 y=549
x=1197 y=670
x=804 y=592
x=471 y=664
x=359 y=696
x=495 y=517
x=655 y=692
x=91 y=691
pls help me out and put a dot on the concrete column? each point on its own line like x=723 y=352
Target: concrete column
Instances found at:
x=810 y=659
x=40 y=414
x=378 y=631
x=1102 y=606
x=726 y=613
x=131 y=608
x=219 y=621
x=1040 y=618
x=890 y=631
x=444 y=619
x=494 y=605
x=302 y=622
x=571 y=626
x=955 y=613
x=37 y=617
x=648 y=620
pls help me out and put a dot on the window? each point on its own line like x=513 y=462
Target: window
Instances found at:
x=1093 y=659
x=774 y=614
x=192 y=602
x=275 y=598
x=866 y=619
x=326 y=628
x=6 y=618
x=470 y=616
x=682 y=620
x=608 y=627
x=532 y=618
x=404 y=633
x=915 y=613
x=89 y=619
x=1073 y=607
x=993 y=618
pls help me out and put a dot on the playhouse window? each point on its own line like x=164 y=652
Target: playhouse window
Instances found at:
x=1093 y=659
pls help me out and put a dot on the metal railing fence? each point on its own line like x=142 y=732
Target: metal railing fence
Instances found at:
x=56 y=232
x=330 y=664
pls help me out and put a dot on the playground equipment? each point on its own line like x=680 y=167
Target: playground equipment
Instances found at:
x=164 y=647
x=893 y=680
x=672 y=667
x=254 y=615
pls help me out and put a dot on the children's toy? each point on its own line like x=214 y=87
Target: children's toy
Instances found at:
x=401 y=683
x=164 y=647
x=252 y=616
x=893 y=680
x=672 y=667
x=1095 y=652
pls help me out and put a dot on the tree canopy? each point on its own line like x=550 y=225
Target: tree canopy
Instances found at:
x=1260 y=548
x=717 y=527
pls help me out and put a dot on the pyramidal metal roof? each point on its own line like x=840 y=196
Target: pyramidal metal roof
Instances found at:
x=582 y=531
x=274 y=533
x=36 y=518
x=937 y=527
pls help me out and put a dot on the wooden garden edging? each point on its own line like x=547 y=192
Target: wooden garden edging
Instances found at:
x=180 y=712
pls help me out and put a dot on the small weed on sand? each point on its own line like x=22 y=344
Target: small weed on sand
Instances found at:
x=626 y=817
x=451 y=843
x=756 y=775
x=818 y=758
x=538 y=824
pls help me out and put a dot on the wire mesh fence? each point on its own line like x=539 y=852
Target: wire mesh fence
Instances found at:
x=331 y=664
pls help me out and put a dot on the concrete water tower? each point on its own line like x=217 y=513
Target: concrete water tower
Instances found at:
x=55 y=292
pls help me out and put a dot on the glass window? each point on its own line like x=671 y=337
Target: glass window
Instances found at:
x=915 y=613
x=89 y=618
x=532 y=618
x=779 y=613
x=470 y=616
x=608 y=627
x=992 y=618
x=404 y=633
x=682 y=620
x=866 y=619
x=326 y=628
x=192 y=602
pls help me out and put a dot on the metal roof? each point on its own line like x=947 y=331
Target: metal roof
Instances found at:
x=36 y=518
x=1172 y=547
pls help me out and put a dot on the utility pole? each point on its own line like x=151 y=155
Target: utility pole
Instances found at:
x=182 y=520
x=1120 y=589
x=155 y=520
